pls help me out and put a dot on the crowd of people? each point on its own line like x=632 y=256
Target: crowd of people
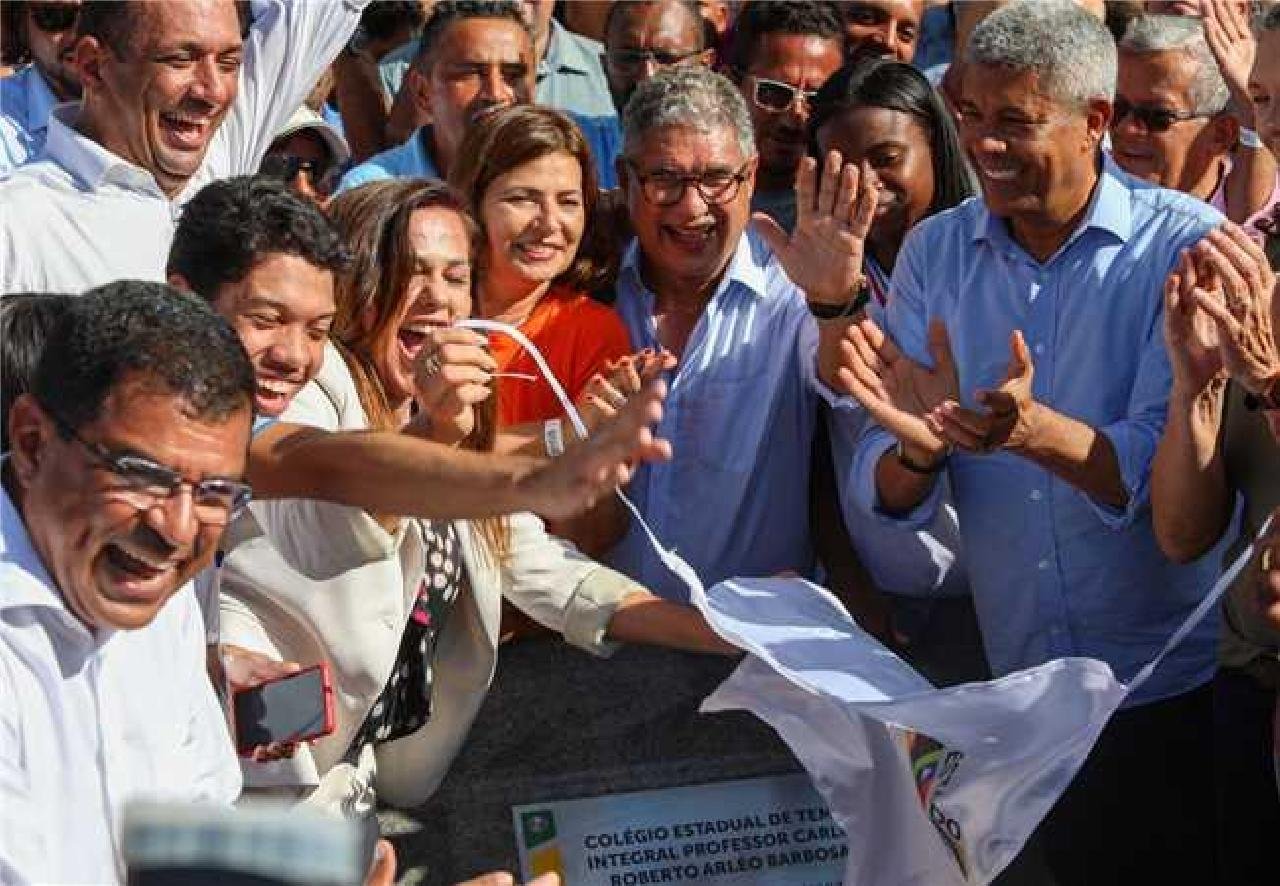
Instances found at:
x=965 y=310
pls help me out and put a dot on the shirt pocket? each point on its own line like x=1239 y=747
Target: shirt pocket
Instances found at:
x=724 y=424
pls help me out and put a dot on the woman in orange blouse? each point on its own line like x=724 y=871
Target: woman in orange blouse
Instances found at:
x=528 y=176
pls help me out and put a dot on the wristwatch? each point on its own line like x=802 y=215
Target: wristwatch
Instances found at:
x=859 y=301
x=1250 y=139
x=900 y=453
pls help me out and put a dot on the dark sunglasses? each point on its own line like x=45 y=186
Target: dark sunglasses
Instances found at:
x=53 y=18
x=1149 y=118
x=287 y=167
x=776 y=96
x=634 y=59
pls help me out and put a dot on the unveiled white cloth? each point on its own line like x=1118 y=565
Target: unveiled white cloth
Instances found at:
x=89 y=722
x=933 y=786
x=79 y=216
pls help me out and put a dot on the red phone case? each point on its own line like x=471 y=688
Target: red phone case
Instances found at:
x=326 y=689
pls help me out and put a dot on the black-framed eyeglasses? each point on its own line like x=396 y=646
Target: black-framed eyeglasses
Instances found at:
x=54 y=18
x=145 y=483
x=632 y=60
x=775 y=96
x=716 y=186
x=1150 y=118
x=287 y=167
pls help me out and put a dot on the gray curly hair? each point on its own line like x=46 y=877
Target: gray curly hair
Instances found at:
x=1071 y=52
x=687 y=95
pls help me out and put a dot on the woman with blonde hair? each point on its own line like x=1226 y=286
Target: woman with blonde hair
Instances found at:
x=406 y=612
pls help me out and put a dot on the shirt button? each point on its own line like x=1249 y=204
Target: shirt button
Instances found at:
x=1042 y=565
x=1039 y=349
x=1036 y=495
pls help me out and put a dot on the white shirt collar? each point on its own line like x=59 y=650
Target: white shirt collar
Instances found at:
x=26 y=581
x=40 y=100
x=87 y=160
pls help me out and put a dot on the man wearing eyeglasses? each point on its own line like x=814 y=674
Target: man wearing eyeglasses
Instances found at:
x=127 y=462
x=1175 y=121
x=641 y=38
x=697 y=283
x=783 y=51
x=48 y=33
x=175 y=95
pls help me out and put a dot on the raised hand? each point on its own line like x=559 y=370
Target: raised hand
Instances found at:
x=622 y=379
x=572 y=483
x=452 y=374
x=1004 y=422
x=834 y=210
x=1190 y=335
x=1240 y=305
x=1227 y=31
x=898 y=392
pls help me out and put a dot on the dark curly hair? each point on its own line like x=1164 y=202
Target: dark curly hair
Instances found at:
x=234 y=223
x=761 y=17
x=169 y=340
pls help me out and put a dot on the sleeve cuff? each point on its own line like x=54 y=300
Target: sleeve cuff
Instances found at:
x=1133 y=452
x=594 y=602
x=871 y=450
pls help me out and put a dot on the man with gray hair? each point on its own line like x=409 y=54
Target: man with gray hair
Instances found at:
x=1020 y=353
x=696 y=282
x=1175 y=124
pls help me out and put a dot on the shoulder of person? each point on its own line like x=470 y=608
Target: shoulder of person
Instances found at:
x=330 y=400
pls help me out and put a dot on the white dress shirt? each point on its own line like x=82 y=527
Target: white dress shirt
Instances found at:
x=90 y=721
x=80 y=216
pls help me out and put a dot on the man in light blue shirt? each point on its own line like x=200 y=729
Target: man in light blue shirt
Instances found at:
x=1024 y=338
x=48 y=32
x=475 y=58
x=743 y=402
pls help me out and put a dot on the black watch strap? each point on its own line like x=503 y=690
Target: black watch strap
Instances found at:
x=900 y=453
x=859 y=301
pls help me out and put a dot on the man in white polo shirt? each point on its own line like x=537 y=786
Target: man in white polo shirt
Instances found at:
x=126 y=463
x=175 y=95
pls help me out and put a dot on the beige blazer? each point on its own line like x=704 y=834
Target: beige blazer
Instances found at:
x=311 y=581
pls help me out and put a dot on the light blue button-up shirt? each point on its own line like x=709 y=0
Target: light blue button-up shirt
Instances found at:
x=1053 y=572
x=408 y=160
x=25 y=103
x=741 y=413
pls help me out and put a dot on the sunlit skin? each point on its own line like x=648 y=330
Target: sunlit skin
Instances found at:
x=52 y=54
x=438 y=294
x=897 y=151
x=1190 y=155
x=1264 y=89
x=116 y=565
x=665 y=26
x=1036 y=161
x=282 y=311
x=882 y=27
x=686 y=247
x=160 y=104
x=803 y=61
x=482 y=65
x=533 y=217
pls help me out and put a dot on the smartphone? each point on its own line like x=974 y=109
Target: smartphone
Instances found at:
x=297 y=707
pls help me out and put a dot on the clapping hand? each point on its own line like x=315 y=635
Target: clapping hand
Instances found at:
x=898 y=392
x=1005 y=422
x=1239 y=301
x=834 y=210
x=1190 y=334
